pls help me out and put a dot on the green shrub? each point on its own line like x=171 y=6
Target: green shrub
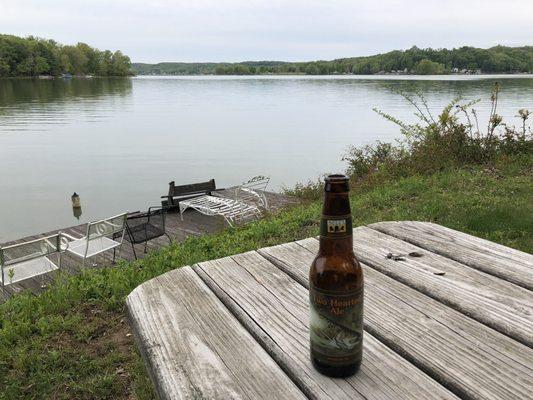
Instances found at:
x=453 y=139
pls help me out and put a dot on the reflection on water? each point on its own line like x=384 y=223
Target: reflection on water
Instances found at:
x=27 y=103
x=118 y=142
x=46 y=91
x=77 y=212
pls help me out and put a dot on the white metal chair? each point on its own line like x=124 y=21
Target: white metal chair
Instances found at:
x=98 y=237
x=26 y=260
x=253 y=191
x=249 y=199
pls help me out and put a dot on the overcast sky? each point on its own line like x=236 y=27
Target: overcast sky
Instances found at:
x=292 y=30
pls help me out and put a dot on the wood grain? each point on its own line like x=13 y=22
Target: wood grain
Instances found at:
x=469 y=358
x=274 y=308
x=501 y=261
x=497 y=303
x=195 y=349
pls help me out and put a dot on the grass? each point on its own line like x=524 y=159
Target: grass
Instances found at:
x=73 y=341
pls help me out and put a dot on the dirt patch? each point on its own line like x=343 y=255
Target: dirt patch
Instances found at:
x=105 y=339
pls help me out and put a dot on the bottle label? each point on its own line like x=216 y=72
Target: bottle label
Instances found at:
x=336 y=227
x=336 y=325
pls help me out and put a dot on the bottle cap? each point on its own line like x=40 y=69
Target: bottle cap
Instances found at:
x=337 y=183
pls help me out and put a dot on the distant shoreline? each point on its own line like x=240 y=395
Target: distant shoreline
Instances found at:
x=274 y=76
x=462 y=61
x=521 y=74
x=59 y=77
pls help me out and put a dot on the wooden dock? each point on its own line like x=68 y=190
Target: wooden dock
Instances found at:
x=193 y=224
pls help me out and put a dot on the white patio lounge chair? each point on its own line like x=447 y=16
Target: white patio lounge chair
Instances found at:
x=26 y=260
x=253 y=191
x=98 y=237
x=249 y=198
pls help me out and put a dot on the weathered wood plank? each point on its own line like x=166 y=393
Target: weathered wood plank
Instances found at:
x=497 y=303
x=195 y=349
x=274 y=308
x=501 y=261
x=469 y=358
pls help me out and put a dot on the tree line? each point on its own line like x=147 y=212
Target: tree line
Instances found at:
x=32 y=56
x=498 y=59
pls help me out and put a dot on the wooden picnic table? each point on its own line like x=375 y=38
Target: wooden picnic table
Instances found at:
x=452 y=321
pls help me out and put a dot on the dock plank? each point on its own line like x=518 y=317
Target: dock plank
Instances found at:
x=506 y=263
x=469 y=358
x=202 y=351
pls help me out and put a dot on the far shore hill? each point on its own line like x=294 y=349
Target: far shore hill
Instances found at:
x=463 y=60
x=45 y=58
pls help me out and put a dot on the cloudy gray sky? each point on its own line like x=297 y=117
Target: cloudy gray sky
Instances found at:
x=292 y=30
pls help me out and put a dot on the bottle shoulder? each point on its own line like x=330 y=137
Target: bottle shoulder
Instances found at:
x=340 y=261
x=336 y=271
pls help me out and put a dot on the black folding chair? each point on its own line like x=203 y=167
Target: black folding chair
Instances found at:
x=143 y=227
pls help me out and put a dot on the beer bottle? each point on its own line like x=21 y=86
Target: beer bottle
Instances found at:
x=336 y=288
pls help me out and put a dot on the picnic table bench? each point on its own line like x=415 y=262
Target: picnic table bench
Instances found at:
x=454 y=320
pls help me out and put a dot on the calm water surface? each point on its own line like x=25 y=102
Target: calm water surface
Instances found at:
x=118 y=142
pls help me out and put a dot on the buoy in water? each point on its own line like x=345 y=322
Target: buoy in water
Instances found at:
x=76 y=203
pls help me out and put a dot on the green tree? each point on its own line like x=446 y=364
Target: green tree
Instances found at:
x=4 y=68
x=41 y=65
x=77 y=60
x=91 y=56
x=427 y=67
x=312 y=69
x=120 y=64
x=65 y=64
x=221 y=70
x=25 y=67
x=104 y=63
x=34 y=56
x=241 y=69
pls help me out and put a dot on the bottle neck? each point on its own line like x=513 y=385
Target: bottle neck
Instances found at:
x=336 y=236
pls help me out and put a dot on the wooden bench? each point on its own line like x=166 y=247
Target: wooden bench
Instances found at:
x=438 y=323
x=183 y=192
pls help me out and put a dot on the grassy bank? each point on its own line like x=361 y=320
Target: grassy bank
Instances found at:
x=73 y=341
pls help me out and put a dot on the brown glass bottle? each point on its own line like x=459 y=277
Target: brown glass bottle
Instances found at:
x=336 y=288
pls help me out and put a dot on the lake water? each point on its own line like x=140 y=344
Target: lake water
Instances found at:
x=118 y=142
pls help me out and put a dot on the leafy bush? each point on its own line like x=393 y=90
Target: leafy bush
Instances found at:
x=452 y=139
x=306 y=191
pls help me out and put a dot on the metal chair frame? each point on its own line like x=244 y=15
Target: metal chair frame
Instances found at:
x=100 y=230
x=147 y=216
x=253 y=191
x=46 y=246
